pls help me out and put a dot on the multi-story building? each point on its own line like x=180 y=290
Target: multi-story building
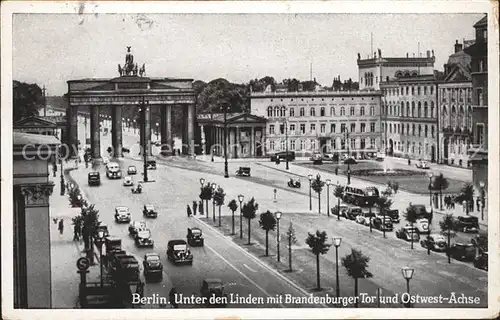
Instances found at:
x=409 y=116
x=455 y=109
x=377 y=69
x=318 y=121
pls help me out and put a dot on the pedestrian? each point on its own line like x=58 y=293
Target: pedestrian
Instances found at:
x=140 y=289
x=336 y=171
x=54 y=220
x=171 y=296
x=478 y=204
x=200 y=207
x=61 y=226
x=409 y=161
x=464 y=206
x=189 y=212
x=452 y=202
x=76 y=236
x=195 y=206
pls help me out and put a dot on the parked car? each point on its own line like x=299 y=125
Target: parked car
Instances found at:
x=422 y=164
x=143 y=238
x=122 y=214
x=408 y=233
x=94 y=178
x=283 y=156
x=350 y=161
x=126 y=268
x=101 y=232
x=382 y=224
x=105 y=160
x=131 y=170
x=394 y=214
x=153 y=268
x=436 y=242
x=317 y=158
x=136 y=226
x=422 y=225
x=178 y=252
x=365 y=216
x=467 y=224
x=149 y=211
x=151 y=164
x=481 y=261
x=213 y=288
x=463 y=251
x=353 y=212
x=195 y=237
x=128 y=182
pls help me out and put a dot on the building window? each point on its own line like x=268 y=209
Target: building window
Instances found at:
x=312 y=128
x=399 y=128
x=292 y=144
x=332 y=128
x=313 y=144
x=312 y=112
x=408 y=109
x=390 y=128
x=332 y=111
x=407 y=90
x=283 y=112
x=323 y=128
x=352 y=113
x=333 y=143
x=302 y=128
x=363 y=143
x=372 y=111
x=425 y=110
x=402 y=129
x=432 y=109
x=362 y=111
x=342 y=144
x=301 y=112
x=282 y=128
x=413 y=109
x=342 y=111
x=480 y=135
x=407 y=129
x=342 y=127
x=419 y=110
x=271 y=145
x=322 y=111
x=276 y=111
x=363 y=126
x=292 y=128
x=412 y=90
x=301 y=143
x=292 y=112
x=372 y=143
x=353 y=144
x=432 y=89
x=418 y=90
x=353 y=127
x=372 y=127
x=413 y=129
x=479 y=94
x=425 y=89
x=426 y=131
x=269 y=112
x=432 y=131
x=271 y=129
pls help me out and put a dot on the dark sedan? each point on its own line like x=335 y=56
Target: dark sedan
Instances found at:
x=149 y=211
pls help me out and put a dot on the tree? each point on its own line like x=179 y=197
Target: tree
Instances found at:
x=290 y=234
x=318 y=244
x=467 y=195
x=27 y=99
x=448 y=226
x=356 y=265
x=317 y=185
x=440 y=183
x=91 y=221
x=75 y=196
x=267 y=222
x=219 y=197
x=480 y=241
x=232 y=205
x=394 y=185
x=384 y=204
x=411 y=216
x=338 y=192
x=206 y=194
x=249 y=210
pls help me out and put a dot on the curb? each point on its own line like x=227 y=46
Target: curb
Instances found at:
x=275 y=272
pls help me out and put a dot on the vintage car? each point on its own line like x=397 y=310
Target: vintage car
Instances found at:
x=283 y=156
x=149 y=211
x=178 y=252
x=153 y=268
x=435 y=242
x=143 y=238
x=353 y=212
x=467 y=224
x=213 y=288
x=343 y=210
x=243 y=172
x=386 y=226
x=422 y=225
x=365 y=216
x=131 y=170
x=135 y=226
x=105 y=160
x=122 y=214
x=317 y=158
x=294 y=183
x=151 y=164
x=350 y=161
x=408 y=233
x=125 y=268
x=100 y=233
x=422 y=164
x=112 y=244
x=463 y=251
x=481 y=261
x=128 y=182
x=195 y=237
x=94 y=178
x=394 y=214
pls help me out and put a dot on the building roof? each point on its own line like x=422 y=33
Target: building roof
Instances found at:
x=481 y=23
x=22 y=139
x=35 y=121
x=231 y=118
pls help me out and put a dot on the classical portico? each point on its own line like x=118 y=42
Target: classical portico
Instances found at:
x=245 y=134
x=130 y=89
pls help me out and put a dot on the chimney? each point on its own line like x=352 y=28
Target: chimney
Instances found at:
x=458 y=46
x=428 y=53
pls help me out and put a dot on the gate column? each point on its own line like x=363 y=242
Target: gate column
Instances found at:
x=72 y=130
x=190 y=129
x=95 y=132
x=116 y=131
x=145 y=131
x=167 y=147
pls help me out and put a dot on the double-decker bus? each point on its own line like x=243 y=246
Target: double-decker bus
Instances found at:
x=360 y=197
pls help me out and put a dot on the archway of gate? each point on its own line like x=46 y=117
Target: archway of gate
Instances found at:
x=131 y=88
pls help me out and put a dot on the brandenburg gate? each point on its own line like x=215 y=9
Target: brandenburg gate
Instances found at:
x=131 y=88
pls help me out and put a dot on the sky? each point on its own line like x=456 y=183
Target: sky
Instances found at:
x=50 y=49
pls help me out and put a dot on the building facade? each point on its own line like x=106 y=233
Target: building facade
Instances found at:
x=317 y=121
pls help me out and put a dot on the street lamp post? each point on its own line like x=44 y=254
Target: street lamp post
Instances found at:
x=336 y=242
x=278 y=217
x=346 y=134
x=483 y=199
x=135 y=127
x=240 y=199
x=286 y=144
x=62 y=175
x=328 y=183
x=144 y=107
x=101 y=239
x=226 y=173
x=157 y=131
x=310 y=177
x=430 y=188
x=214 y=187
x=202 y=182
x=128 y=124
x=407 y=274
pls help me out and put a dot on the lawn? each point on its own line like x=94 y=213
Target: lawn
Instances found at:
x=417 y=183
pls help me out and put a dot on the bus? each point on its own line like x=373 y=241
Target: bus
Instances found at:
x=360 y=197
